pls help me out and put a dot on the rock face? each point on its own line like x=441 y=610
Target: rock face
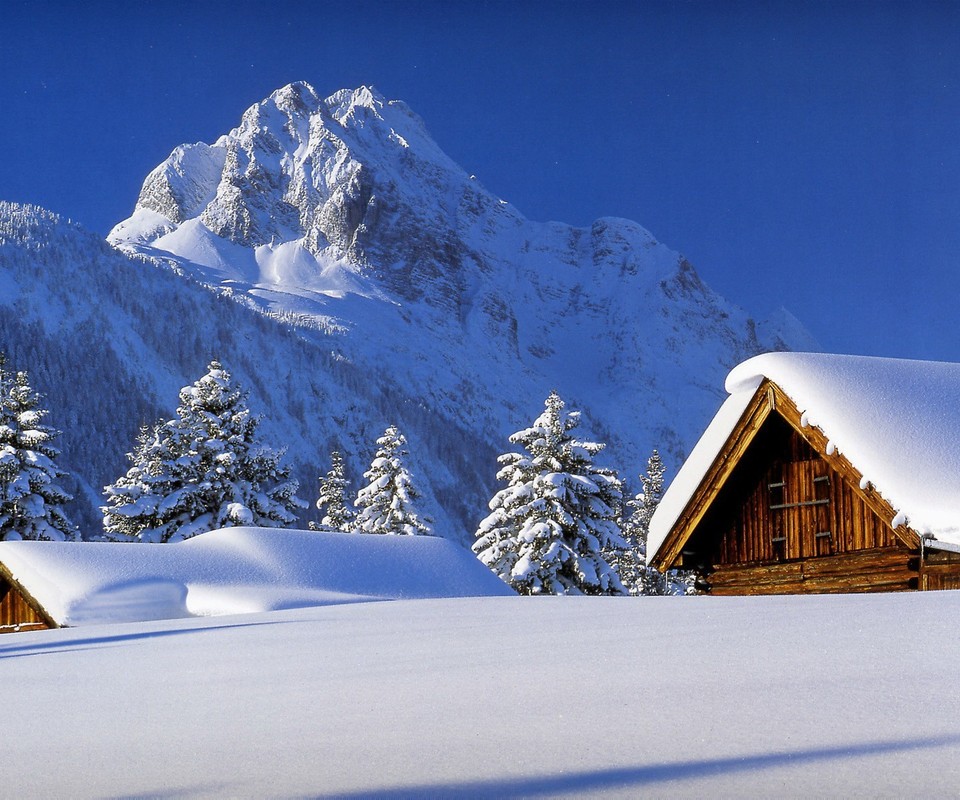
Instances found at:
x=342 y=216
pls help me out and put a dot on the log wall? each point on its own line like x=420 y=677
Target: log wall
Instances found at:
x=941 y=570
x=891 y=569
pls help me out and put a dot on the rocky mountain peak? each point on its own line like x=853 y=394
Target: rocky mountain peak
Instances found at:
x=345 y=102
x=297 y=168
x=296 y=99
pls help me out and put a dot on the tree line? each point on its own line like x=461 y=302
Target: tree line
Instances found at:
x=560 y=525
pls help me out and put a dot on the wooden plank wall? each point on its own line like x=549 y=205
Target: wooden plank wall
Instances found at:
x=941 y=570
x=15 y=613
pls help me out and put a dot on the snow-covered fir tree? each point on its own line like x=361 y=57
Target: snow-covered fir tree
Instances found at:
x=550 y=526
x=649 y=497
x=640 y=578
x=387 y=503
x=332 y=501
x=201 y=471
x=637 y=577
x=31 y=500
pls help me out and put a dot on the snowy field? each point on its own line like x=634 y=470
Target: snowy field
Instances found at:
x=500 y=697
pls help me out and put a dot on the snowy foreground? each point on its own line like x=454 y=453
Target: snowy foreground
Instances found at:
x=506 y=697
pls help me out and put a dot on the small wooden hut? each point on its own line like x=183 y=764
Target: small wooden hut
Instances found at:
x=227 y=571
x=821 y=474
x=19 y=611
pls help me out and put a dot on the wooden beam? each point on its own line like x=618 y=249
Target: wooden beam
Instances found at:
x=877 y=569
x=24 y=627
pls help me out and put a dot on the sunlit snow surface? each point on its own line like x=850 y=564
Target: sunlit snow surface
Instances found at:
x=896 y=421
x=239 y=570
x=829 y=696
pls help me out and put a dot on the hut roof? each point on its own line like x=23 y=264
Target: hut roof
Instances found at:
x=897 y=422
x=238 y=570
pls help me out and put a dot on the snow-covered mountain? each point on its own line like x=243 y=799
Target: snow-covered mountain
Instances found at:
x=345 y=210
x=407 y=294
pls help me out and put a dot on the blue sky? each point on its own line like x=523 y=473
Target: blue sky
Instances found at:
x=799 y=154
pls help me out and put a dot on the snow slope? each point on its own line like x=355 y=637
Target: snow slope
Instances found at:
x=239 y=570
x=897 y=421
x=827 y=696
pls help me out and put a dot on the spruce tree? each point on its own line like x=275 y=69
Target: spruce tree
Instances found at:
x=387 y=503
x=333 y=497
x=201 y=471
x=558 y=513
x=31 y=501
x=632 y=562
x=645 y=579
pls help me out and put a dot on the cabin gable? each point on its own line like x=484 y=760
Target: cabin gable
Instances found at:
x=784 y=502
x=780 y=511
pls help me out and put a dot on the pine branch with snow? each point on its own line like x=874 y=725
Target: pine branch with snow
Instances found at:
x=31 y=499
x=548 y=529
x=387 y=504
x=201 y=471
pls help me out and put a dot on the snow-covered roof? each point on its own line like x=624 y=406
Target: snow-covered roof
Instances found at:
x=896 y=421
x=239 y=570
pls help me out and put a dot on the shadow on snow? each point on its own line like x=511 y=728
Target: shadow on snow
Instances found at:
x=576 y=783
x=91 y=642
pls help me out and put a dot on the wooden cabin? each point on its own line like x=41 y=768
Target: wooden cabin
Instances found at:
x=769 y=503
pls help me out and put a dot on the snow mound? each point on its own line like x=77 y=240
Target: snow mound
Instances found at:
x=239 y=570
x=897 y=421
